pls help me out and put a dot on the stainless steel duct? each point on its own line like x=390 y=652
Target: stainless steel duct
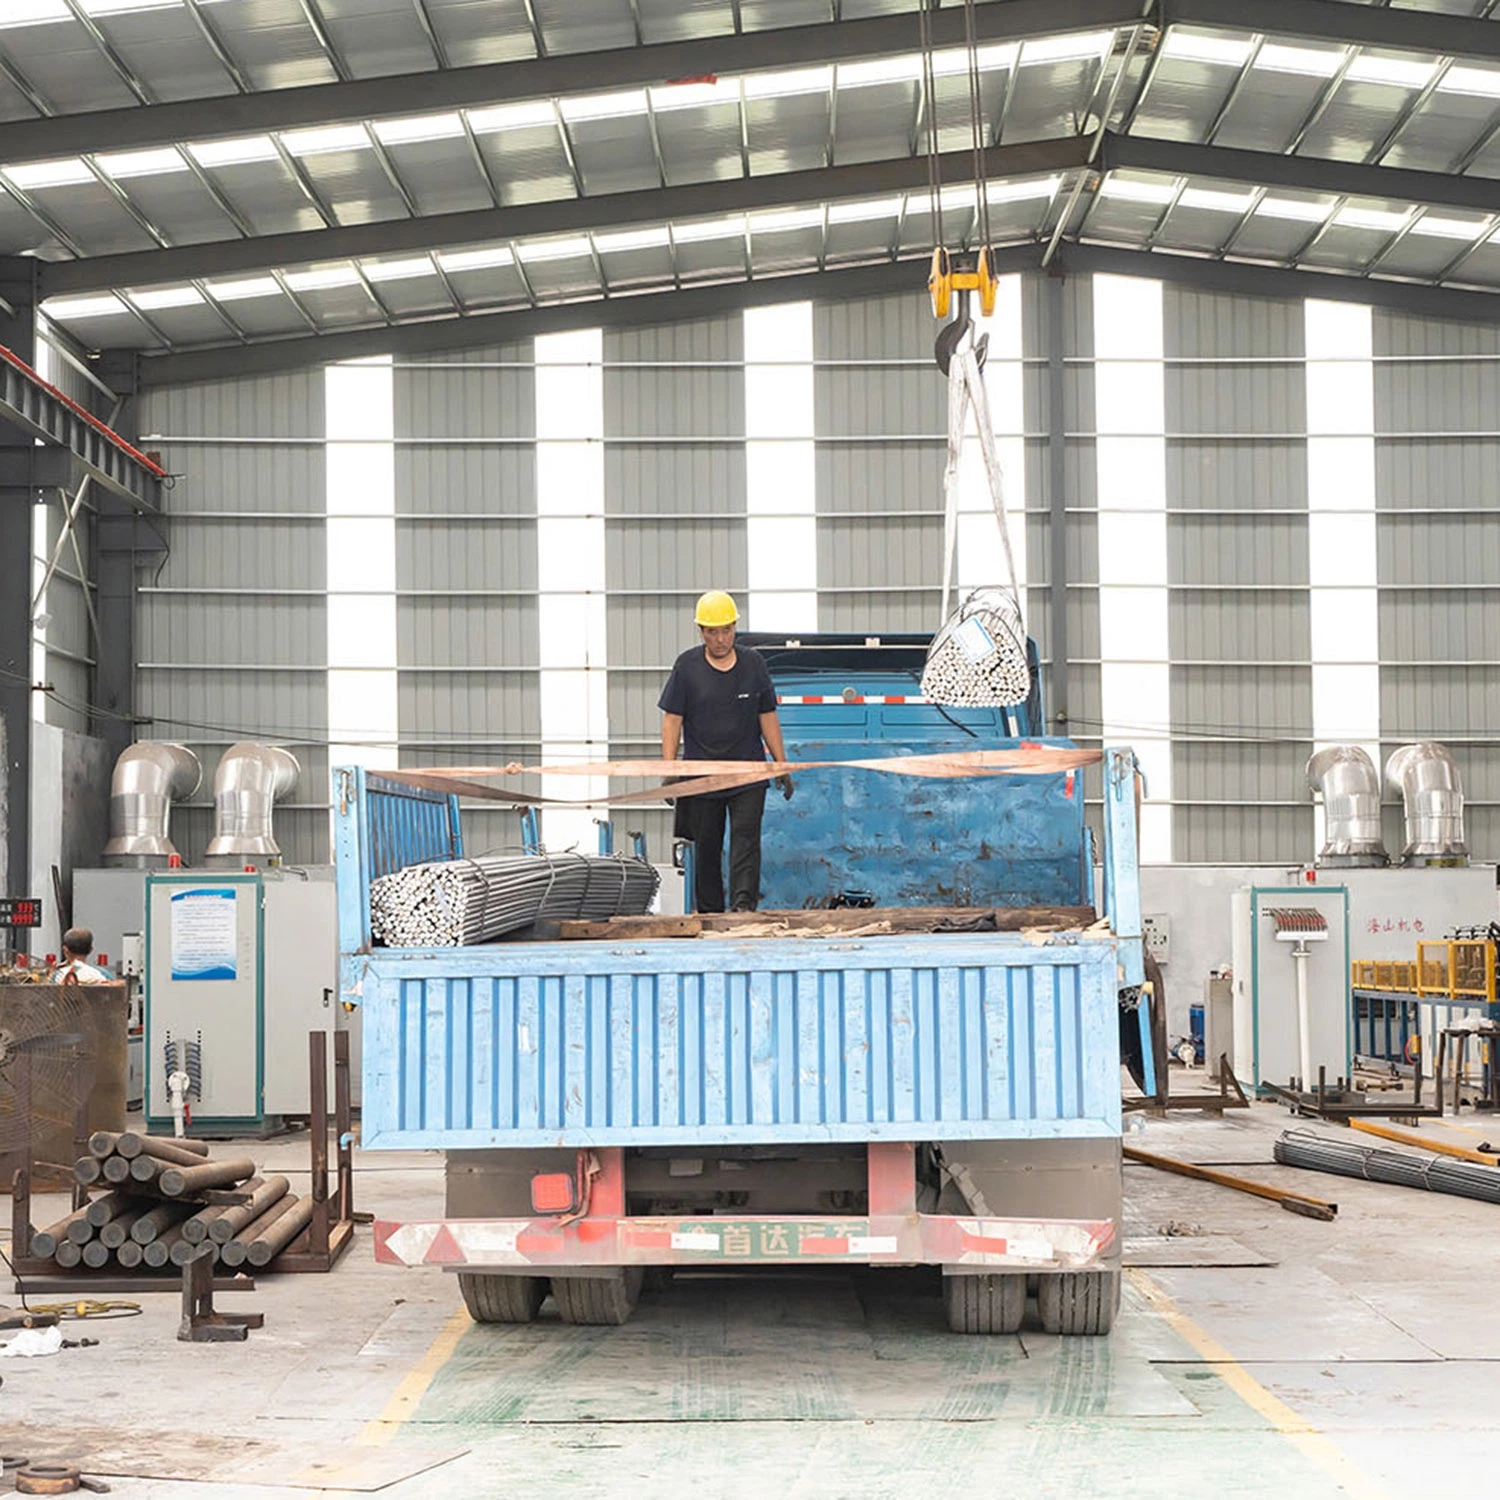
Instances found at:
x=250 y=778
x=1346 y=778
x=1428 y=781
x=147 y=779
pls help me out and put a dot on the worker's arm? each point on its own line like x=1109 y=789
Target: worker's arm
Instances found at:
x=671 y=735
x=770 y=732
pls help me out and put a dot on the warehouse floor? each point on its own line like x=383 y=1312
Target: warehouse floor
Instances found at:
x=1277 y=1355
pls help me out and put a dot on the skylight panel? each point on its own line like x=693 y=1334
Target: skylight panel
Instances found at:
x=65 y=172
x=325 y=138
x=142 y=163
x=159 y=298
x=234 y=153
x=475 y=260
x=419 y=128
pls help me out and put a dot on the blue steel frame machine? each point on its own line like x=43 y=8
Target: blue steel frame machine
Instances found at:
x=942 y=1098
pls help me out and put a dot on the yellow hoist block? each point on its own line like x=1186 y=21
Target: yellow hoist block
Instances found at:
x=950 y=274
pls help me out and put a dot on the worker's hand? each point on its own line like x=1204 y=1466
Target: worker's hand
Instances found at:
x=785 y=783
x=514 y=768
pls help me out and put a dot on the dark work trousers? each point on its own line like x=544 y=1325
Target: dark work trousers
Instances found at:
x=743 y=811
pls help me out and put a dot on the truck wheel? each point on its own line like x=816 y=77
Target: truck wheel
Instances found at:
x=501 y=1299
x=605 y=1300
x=1079 y=1302
x=984 y=1304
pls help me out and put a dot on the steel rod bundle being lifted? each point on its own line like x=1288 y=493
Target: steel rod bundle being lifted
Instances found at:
x=466 y=901
x=1435 y=1173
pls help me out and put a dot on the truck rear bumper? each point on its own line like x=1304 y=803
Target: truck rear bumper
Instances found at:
x=539 y=1246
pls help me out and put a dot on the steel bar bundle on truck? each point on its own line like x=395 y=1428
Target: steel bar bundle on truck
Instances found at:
x=461 y=902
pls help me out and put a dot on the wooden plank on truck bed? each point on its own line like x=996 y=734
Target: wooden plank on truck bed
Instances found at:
x=841 y=920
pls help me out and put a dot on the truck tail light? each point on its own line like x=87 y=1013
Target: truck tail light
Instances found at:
x=553 y=1193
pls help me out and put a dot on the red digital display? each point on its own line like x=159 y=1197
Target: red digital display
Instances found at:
x=20 y=911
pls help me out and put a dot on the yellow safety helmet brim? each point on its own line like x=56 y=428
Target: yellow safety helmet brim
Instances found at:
x=715 y=608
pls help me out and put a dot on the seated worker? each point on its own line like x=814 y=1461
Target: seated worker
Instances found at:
x=719 y=704
x=78 y=943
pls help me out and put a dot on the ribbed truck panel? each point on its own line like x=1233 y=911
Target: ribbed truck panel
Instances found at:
x=722 y=1041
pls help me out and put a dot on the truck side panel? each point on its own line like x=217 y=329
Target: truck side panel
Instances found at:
x=717 y=1041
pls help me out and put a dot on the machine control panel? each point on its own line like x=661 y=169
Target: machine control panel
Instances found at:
x=1156 y=933
x=20 y=911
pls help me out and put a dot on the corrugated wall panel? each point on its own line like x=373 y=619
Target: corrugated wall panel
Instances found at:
x=1437 y=394
x=232 y=631
x=1237 y=569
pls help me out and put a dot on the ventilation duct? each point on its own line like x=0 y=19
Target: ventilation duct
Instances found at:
x=249 y=780
x=1427 y=779
x=147 y=779
x=1350 y=786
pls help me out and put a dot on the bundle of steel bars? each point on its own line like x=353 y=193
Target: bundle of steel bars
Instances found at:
x=165 y=1200
x=460 y=902
x=1436 y=1173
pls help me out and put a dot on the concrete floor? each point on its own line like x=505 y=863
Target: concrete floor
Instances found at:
x=1293 y=1358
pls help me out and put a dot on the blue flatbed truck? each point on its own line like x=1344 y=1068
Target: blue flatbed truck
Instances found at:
x=938 y=1097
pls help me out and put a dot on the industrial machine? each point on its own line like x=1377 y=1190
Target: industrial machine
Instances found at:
x=914 y=1095
x=1291 y=986
x=240 y=966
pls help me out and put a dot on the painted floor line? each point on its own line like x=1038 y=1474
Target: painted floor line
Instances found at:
x=408 y=1395
x=1301 y=1433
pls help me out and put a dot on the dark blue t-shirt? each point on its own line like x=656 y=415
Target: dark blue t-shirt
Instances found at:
x=720 y=711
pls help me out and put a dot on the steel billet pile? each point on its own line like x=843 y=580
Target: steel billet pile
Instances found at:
x=464 y=901
x=166 y=1200
x=1438 y=1174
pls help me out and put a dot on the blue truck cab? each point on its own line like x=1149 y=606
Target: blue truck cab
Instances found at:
x=928 y=1090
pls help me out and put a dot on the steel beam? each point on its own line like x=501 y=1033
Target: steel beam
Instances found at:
x=1405 y=29
x=542 y=77
x=604 y=212
x=1309 y=173
x=125 y=540
x=18 y=495
x=233 y=361
x=28 y=403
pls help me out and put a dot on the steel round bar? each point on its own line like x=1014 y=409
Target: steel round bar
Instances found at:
x=1432 y=1172
x=68 y=1255
x=157 y=1220
x=130 y=1254
x=79 y=1230
x=102 y=1143
x=107 y=1207
x=195 y=1230
x=235 y=1252
x=96 y=1255
x=269 y=1243
x=144 y=1168
x=116 y=1169
x=159 y=1251
x=44 y=1242
x=117 y=1231
x=232 y=1220
x=175 y=1181
x=185 y=1249
x=163 y=1148
x=87 y=1170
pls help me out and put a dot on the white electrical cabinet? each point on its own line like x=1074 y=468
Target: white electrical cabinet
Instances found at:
x=240 y=966
x=1267 y=1042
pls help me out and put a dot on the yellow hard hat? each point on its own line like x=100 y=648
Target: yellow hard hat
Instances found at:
x=715 y=608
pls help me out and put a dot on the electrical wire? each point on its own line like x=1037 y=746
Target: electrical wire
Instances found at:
x=925 y=9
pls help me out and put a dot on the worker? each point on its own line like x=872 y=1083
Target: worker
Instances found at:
x=77 y=944
x=719 y=704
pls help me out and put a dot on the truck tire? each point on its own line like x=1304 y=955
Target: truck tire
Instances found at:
x=501 y=1299
x=607 y=1300
x=984 y=1304
x=1078 y=1302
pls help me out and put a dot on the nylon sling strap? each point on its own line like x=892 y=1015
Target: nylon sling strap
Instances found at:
x=731 y=775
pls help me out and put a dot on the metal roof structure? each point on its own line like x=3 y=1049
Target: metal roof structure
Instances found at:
x=241 y=185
